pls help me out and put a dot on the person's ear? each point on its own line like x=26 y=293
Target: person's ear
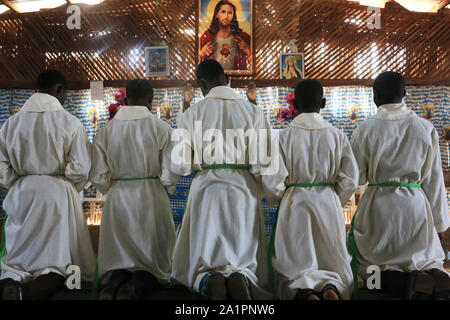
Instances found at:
x=323 y=103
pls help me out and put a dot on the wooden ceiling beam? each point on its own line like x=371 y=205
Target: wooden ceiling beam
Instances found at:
x=11 y=5
x=441 y=5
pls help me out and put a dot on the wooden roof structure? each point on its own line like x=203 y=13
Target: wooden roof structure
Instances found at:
x=339 y=48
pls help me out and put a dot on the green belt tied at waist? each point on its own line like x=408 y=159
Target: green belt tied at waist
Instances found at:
x=307 y=185
x=135 y=179
x=396 y=184
x=226 y=166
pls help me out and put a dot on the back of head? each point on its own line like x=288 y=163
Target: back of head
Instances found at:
x=48 y=79
x=139 y=92
x=210 y=74
x=52 y=82
x=210 y=70
x=309 y=95
x=389 y=87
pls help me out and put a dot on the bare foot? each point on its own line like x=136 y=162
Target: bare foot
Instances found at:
x=306 y=294
x=312 y=297
x=330 y=294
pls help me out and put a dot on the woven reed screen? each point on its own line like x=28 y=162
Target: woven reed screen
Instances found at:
x=333 y=35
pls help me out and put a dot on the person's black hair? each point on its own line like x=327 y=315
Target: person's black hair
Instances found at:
x=209 y=70
x=49 y=78
x=390 y=85
x=309 y=94
x=234 y=25
x=139 y=89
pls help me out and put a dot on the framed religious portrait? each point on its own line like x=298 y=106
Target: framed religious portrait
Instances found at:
x=157 y=61
x=225 y=34
x=292 y=66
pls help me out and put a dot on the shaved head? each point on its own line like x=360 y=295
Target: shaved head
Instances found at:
x=388 y=87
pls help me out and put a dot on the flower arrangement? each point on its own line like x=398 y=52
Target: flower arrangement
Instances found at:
x=119 y=96
x=289 y=113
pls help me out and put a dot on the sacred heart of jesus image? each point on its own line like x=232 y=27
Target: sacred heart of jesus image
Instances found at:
x=225 y=50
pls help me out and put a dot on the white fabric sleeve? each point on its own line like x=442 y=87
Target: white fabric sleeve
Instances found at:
x=261 y=136
x=434 y=188
x=361 y=156
x=167 y=177
x=179 y=118
x=182 y=154
x=7 y=174
x=274 y=182
x=100 y=175
x=348 y=176
x=78 y=158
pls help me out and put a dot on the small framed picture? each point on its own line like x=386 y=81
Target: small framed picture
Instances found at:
x=292 y=66
x=157 y=61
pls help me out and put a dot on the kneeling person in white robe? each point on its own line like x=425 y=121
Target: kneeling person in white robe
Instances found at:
x=399 y=217
x=130 y=163
x=221 y=251
x=317 y=176
x=44 y=162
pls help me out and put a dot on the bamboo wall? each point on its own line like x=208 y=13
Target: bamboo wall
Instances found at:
x=339 y=48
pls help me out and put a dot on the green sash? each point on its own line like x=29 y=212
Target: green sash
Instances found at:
x=396 y=184
x=94 y=290
x=351 y=237
x=354 y=253
x=3 y=243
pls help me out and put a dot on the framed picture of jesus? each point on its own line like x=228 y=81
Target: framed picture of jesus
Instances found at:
x=225 y=33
